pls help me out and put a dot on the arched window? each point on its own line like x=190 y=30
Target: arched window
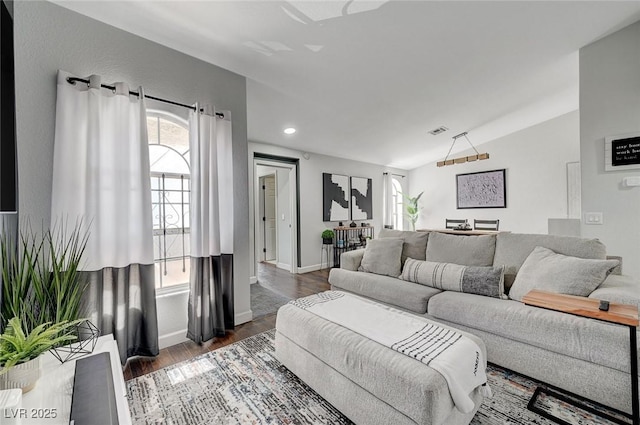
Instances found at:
x=170 y=186
x=398 y=204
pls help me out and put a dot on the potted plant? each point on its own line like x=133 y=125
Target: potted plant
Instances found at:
x=412 y=210
x=41 y=279
x=41 y=298
x=20 y=351
x=327 y=236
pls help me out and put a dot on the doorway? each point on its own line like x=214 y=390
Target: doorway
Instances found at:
x=268 y=211
x=276 y=214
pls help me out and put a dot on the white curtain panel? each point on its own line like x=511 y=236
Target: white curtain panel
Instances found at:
x=101 y=176
x=387 y=199
x=210 y=309
x=101 y=171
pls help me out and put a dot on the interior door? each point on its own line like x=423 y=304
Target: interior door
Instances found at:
x=269 y=188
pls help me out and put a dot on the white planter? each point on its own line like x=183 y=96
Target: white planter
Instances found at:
x=23 y=376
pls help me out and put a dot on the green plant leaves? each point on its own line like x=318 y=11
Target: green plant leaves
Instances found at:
x=327 y=234
x=18 y=346
x=412 y=210
x=41 y=279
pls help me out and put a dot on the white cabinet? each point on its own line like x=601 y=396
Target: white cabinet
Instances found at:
x=49 y=403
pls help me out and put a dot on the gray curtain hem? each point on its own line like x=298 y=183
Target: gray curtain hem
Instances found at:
x=210 y=308
x=131 y=290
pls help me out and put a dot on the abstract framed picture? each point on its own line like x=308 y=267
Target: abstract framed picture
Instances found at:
x=361 y=198
x=484 y=189
x=335 y=197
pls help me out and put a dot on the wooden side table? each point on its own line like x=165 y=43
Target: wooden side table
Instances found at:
x=620 y=314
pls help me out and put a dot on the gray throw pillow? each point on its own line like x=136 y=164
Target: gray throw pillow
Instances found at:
x=415 y=243
x=382 y=256
x=487 y=281
x=549 y=271
x=461 y=249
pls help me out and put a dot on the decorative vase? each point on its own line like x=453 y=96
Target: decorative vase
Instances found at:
x=23 y=376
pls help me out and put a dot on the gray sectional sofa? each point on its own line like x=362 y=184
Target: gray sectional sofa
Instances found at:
x=584 y=356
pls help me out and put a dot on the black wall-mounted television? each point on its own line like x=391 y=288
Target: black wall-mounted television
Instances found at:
x=8 y=175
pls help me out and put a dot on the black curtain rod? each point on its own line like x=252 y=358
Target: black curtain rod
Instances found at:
x=397 y=175
x=73 y=80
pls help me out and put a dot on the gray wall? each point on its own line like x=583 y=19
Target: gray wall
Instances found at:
x=49 y=37
x=536 y=178
x=310 y=176
x=610 y=105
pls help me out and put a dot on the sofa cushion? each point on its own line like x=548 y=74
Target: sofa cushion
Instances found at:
x=419 y=393
x=548 y=271
x=463 y=250
x=388 y=290
x=350 y=260
x=513 y=248
x=586 y=339
x=382 y=256
x=487 y=281
x=619 y=289
x=415 y=243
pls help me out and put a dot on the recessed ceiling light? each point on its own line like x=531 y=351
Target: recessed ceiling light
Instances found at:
x=289 y=130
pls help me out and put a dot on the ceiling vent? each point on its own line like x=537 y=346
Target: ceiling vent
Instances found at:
x=438 y=130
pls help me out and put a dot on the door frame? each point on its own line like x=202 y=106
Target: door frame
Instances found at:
x=294 y=205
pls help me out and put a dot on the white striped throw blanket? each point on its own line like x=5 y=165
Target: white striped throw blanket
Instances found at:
x=458 y=358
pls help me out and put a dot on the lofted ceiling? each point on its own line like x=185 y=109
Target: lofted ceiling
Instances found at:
x=367 y=80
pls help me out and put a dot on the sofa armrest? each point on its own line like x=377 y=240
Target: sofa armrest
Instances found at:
x=620 y=289
x=350 y=260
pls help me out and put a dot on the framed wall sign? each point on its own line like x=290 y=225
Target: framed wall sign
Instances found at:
x=622 y=152
x=485 y=189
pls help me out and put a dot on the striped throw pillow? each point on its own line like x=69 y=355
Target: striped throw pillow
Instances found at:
x=487 y=281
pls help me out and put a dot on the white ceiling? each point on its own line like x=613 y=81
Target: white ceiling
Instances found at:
x=367 y=80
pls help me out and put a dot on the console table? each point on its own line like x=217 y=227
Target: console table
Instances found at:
x=620 y=314
x=349 y=238
x=49 y=403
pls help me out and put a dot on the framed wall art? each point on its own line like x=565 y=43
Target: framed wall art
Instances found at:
x=361 y=198
x=335 y=197
x=485 y=189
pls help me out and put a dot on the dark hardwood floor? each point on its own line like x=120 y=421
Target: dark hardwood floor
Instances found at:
x=277 y=280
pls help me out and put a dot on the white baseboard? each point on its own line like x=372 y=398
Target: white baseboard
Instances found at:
x=180 y=336
x=244 y=317
x=172 y=338
x=308 y=269
x=284 y=266
x=253 y=279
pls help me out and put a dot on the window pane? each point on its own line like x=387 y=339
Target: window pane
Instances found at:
x=175 y=136
x=172 y=183
x=166 y=160
x=152 y=129
x=170 y=200
x=398 y=204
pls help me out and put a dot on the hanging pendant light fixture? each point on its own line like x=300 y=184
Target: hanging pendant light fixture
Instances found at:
x=462 y=159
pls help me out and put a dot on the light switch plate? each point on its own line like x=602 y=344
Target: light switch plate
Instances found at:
x=631 y=181
x=593 y=218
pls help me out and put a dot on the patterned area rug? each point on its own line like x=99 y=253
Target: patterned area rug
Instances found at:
x=243 y=383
